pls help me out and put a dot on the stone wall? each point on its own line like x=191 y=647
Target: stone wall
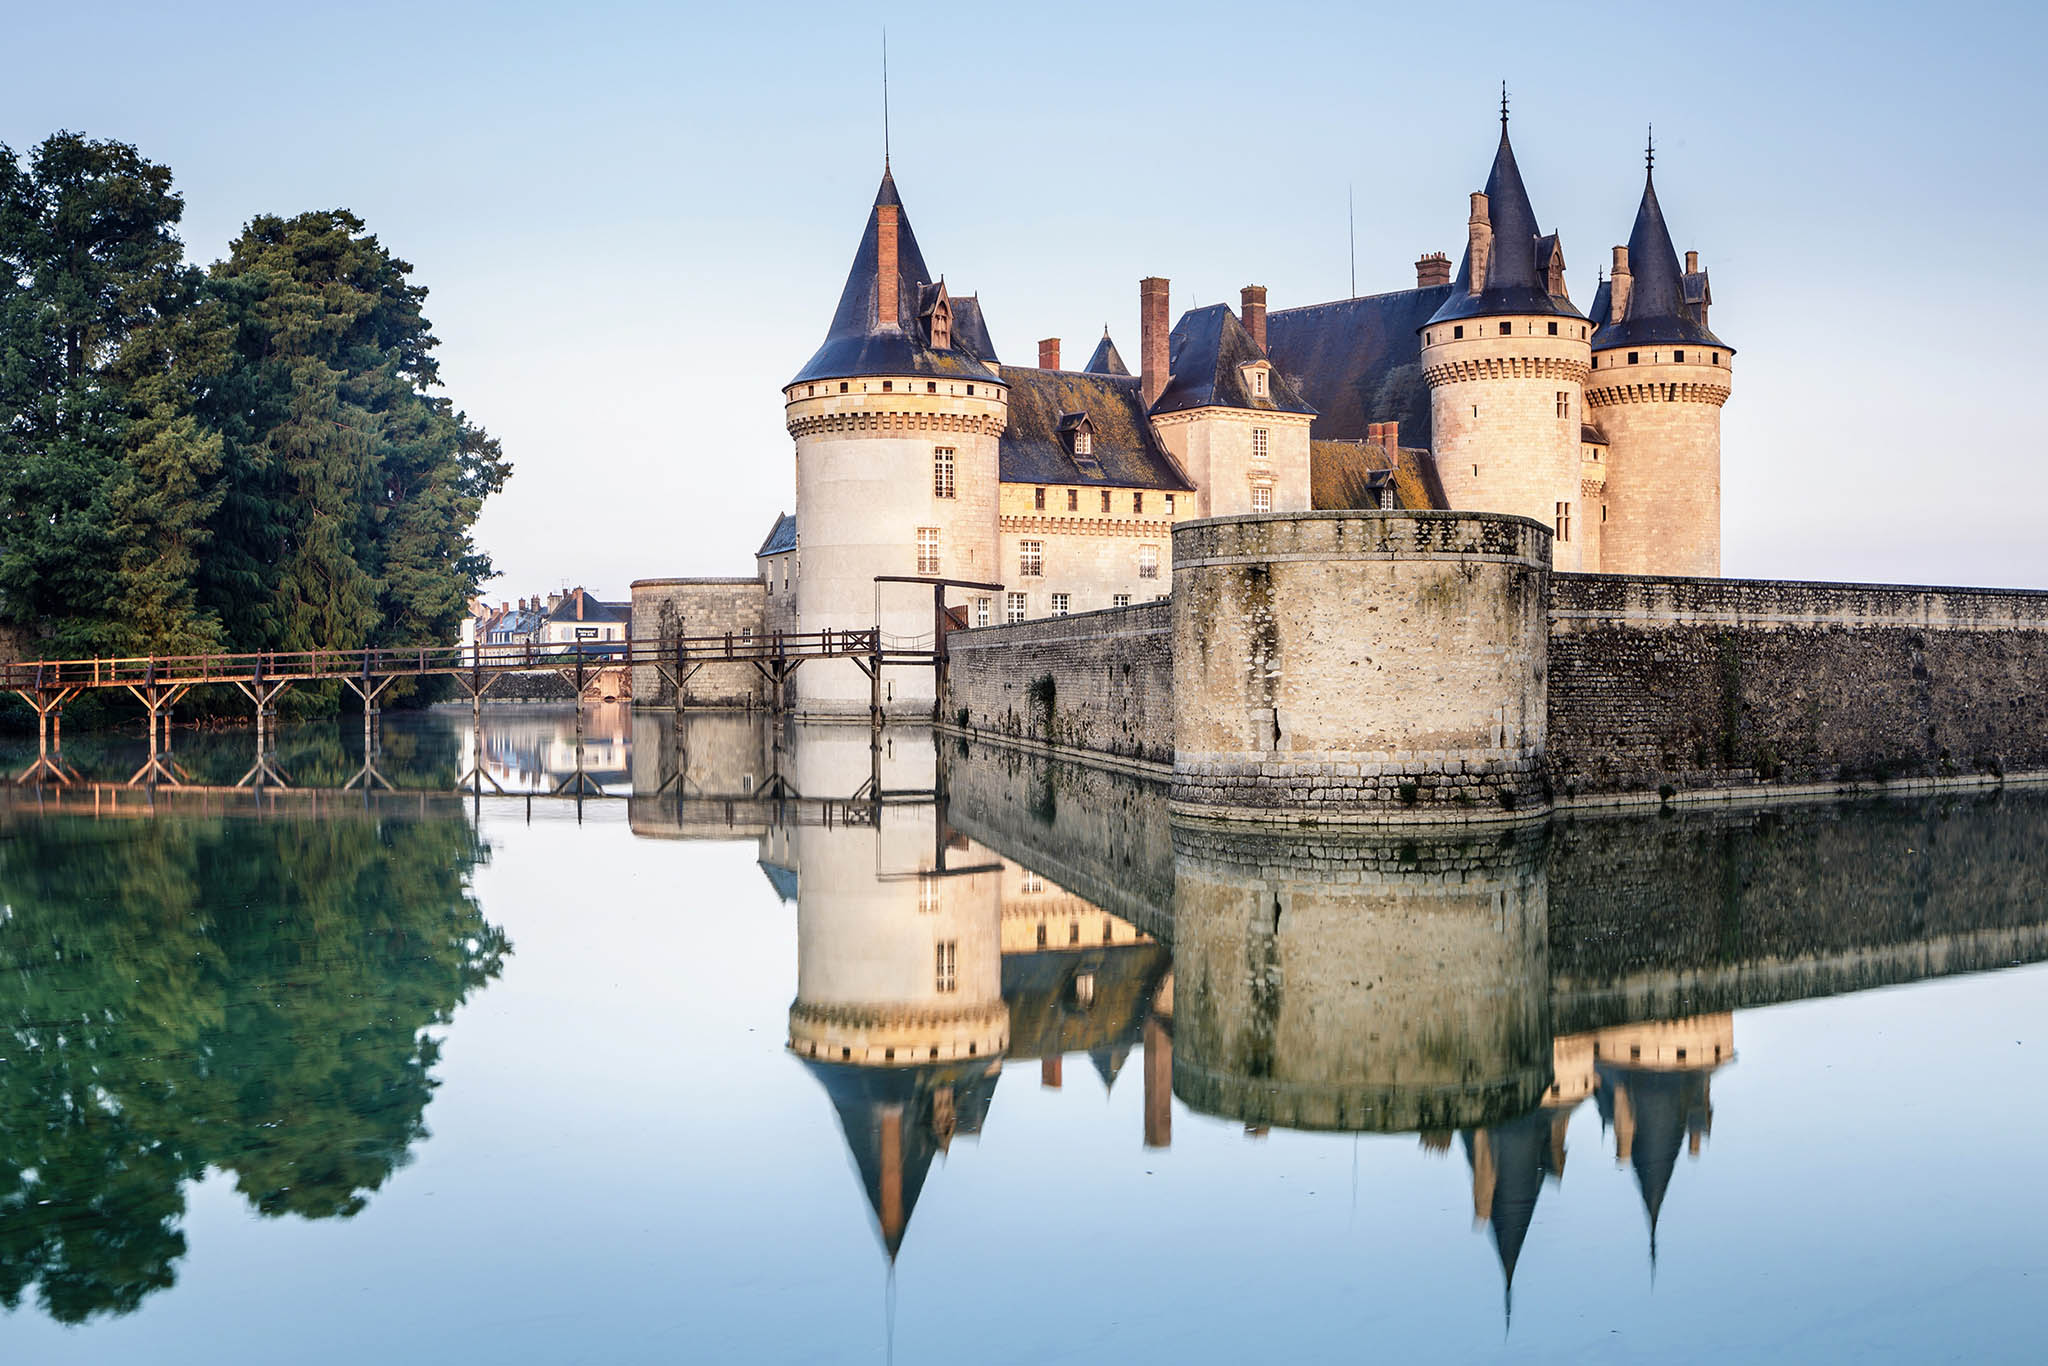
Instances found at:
x=1687 y=684
x=1359 y=666
x=1097 y=681
x=665 y=608
x=1662 y=421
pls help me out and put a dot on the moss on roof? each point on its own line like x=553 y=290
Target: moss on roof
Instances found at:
x=1350 y=474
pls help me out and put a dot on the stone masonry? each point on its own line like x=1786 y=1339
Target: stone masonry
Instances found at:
x=666 y=608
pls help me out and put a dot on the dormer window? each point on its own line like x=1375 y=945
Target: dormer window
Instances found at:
x=1077 y=433
x=1084 y=442
x=1258 y=383
x=942 y=327
x=1258 y=379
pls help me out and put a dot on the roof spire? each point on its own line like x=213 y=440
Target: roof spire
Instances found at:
x=885 y=99
x=1503 y=108
x=1650 y=151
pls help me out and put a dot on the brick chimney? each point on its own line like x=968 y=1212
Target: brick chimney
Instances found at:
x=1432 y=269
x=1049 y=354
x=887 y=314
x=579 y=604
x=1619 y=282
x=1390 y=437
x=1479 y=240
x=1152 y=338
x=1252 y=312
x=1692 y=263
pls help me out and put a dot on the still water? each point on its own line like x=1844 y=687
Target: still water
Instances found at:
x=758 y=1044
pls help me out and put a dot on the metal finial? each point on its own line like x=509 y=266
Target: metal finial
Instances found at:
x=885 y=99
x=1650 y=150
x=1503 y=106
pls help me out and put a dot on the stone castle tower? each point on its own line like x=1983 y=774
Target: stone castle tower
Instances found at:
x=1655 y=392
x=1505 y=358
x=897 y=419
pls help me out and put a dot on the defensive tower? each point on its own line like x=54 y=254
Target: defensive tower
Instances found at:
x=897 y=420
x=1659 y=379
x=1505 y=358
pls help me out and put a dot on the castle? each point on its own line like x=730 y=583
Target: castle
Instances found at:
x=920 y=454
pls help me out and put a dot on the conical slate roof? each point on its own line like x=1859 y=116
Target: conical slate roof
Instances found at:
x=1657 y=313
x=1105 y=361
x=1517 y=277
x=860 y=342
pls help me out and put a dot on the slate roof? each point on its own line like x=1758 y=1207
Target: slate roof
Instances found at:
x=862 y=1095
x=1106 y=361
x=593 y=609
x=1205 y=355
x=1126 y=454
x=1517 y=278
x=1357 y=361
x=781 y=536
x=1046 y=1017
x=1661 y=296
x=1668 y=1104
x=1521 y=1153
x=1349 y=474
x=859 y=342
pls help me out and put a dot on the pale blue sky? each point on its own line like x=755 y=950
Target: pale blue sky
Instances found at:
x=635 y=219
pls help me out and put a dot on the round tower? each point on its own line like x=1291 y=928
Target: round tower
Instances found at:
x=1505 y=359
x=896 y=420
x=1658 y=381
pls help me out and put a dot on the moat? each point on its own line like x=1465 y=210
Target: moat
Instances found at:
x=760 y=1043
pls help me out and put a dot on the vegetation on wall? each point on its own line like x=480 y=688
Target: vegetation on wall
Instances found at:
x=248 y=457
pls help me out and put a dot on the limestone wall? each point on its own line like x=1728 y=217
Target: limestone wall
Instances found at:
x=1087 y=554
x=1098 y=681
x=666 y=608
x=1360 y=666
x=1701 y=684
x=1217 y=449
x=1662 y=421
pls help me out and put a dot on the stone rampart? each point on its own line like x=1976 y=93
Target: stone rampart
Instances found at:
x=1099 y=681
x=666 y=608
x=1676 y=685
x=1359 y=667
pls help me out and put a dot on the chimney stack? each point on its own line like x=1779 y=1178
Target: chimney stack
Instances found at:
x=1432 y=269
x=1152 y=338
x=1692 y=263
x=887 y=313
x=1619 y=282
x=1049 y=354
x=1390 y=437
x=1479 y=240
x=1253 y=312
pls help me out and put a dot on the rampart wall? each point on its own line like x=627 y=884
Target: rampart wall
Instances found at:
x=1097 y=681
x=1679 y=685
x=666 y=608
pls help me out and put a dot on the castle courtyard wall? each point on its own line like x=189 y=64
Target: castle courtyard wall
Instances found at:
x=663 y=609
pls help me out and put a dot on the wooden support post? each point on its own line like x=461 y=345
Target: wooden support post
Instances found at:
x=875 y=681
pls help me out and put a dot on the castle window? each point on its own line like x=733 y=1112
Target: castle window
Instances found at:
x=931 y=386
x=842 y=386
x=1105 y=500
x=888 y=386
x=1169 y=505
x=942 y=328
x=1137 y=502
x=1603 y=512
x=1429 y=339
x=1564 y=404
x=927 y=894
x=1074 y=937
x=928 y=550
x=1458 y=332
x=970 y=391
x=1073 y=500
x=1013 y=608
x=1564 y=521
x=1553 y=329
x=1506 y=329
x=1717 y=358
x=948 y=974
x=1262 y=499
x=810 y=391
x=1060 y=602
x=1148 y=561
x=1031 y=558
x=1678 y=357
x=1031 y=884
x=1041 y=935
x=1259 y=443
x=1631 y=358
x=981 y=614
x=1084 y=443
x=1038 y=499
x=1258 y=384
x=942 y=472
x=1120 y=600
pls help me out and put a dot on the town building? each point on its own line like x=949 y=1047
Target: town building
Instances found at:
x=575 y=619
x=919 y=453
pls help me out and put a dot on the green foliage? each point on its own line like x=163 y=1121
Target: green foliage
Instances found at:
x=245 y=458
x=247 y=996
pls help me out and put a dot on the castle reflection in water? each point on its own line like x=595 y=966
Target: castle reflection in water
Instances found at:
x=963 y=910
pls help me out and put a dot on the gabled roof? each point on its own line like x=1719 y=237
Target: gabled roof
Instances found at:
x=1517 y=276
x=1106 y=361
x=970 y=329
x=1350 y=474
x=860 y=342
x=781 y=536
x=1659 y=293
x=1036 y=450
x=1207 y=353
x=1358 y=361
x=593 y=609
